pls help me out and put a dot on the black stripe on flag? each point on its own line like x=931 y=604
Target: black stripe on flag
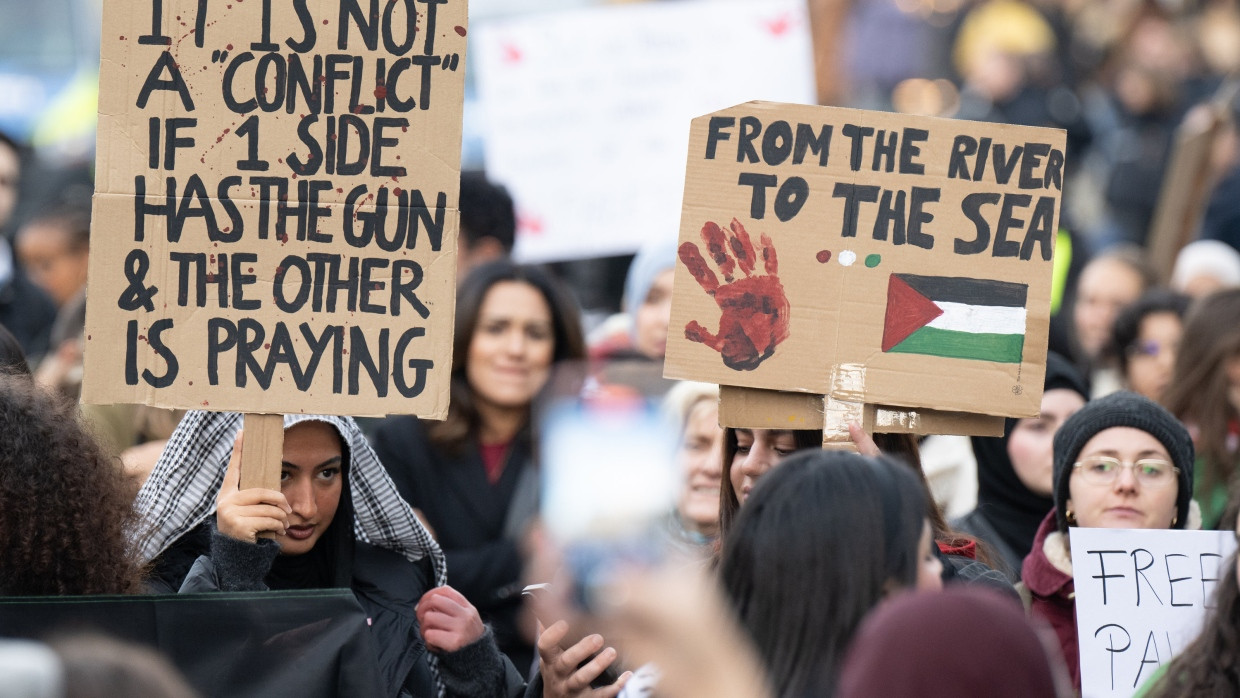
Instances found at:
x=952 y=289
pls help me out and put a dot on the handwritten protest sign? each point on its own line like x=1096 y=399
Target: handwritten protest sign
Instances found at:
x=874 y=258
x=276 y=205
x=584 y=112
x=1141 y=597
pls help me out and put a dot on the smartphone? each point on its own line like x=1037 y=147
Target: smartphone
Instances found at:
x=610 y=480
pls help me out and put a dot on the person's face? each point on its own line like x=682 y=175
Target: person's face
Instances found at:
x=701 y=452
x=757 y=451
x=929 y=568
x=1126 y=502
x=10 y=171
x=311 y=480
x=1105 y=287
x=52 y=264
x=1030 y=445
x=510 y=353
x=653 y=315
x=1151 y=359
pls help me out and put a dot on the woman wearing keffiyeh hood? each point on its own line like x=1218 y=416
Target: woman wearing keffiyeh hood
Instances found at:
x=338 y=522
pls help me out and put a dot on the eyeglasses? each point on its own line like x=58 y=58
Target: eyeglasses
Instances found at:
x=1150 y=349
x=1150 y=472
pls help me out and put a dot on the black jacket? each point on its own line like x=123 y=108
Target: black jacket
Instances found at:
x=388 y=587
x=476 y=523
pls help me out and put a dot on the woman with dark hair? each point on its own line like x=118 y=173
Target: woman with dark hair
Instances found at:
x=748 y=454
x=471 y=476
x=336 y=522
x=1120 y=462
x=820 y=541
x=1205 y=394
x=66 y=512
x=1145 y=340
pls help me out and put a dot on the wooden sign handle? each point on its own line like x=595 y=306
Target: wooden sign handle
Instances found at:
x=262 y=450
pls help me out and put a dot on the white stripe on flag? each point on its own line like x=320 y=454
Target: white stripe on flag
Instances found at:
x=992 y=319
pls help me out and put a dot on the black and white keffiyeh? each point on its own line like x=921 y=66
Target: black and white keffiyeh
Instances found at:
x=181 y=491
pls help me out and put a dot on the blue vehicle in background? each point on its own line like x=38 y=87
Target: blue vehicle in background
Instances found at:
x=49 y=77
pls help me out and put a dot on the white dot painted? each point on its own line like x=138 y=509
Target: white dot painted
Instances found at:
x=847 y=257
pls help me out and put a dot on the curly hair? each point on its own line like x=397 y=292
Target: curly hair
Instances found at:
x=66 y=510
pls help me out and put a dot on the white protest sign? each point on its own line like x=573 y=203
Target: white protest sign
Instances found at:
x=1141 y=597
x=586 y=113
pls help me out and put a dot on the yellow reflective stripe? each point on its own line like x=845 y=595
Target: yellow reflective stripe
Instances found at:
x=1062 y=261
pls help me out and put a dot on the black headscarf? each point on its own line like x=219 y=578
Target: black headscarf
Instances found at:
x=1011 y=508
x=329 y=564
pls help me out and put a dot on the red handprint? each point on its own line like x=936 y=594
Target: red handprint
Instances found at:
x=754 y=309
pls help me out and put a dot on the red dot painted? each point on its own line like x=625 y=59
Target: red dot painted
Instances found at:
x=823 y=256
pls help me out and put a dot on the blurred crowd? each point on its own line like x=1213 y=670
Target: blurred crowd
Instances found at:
x=783 y=569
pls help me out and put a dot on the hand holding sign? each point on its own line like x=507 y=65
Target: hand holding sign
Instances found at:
x=754 y=309
x=245 y=514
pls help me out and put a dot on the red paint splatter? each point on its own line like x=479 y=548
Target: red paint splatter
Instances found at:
x=122 y=37
x=381 y=91
x=398 y=191
x=754 y=310
x=324 y=21
x=823 y=256
x=228 y=47
x=460 y=31
x=532 y=224
x=339 y=190
x=191 y=382
x=780 y=25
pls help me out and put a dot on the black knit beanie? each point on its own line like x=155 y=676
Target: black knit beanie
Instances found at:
x=1122 y=409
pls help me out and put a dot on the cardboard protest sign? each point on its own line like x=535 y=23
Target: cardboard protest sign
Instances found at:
x=873 y=258
x=753 y=408
x=275 y=212
x=1141 y=597
x=583 y=112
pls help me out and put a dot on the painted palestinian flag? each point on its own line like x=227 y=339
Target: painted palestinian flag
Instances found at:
x=957 y=318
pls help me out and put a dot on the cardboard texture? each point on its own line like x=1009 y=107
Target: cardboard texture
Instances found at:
x=275 y=212
x=873 y=258
x=1186 y=187
x=262 y=450
x=753 y=408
